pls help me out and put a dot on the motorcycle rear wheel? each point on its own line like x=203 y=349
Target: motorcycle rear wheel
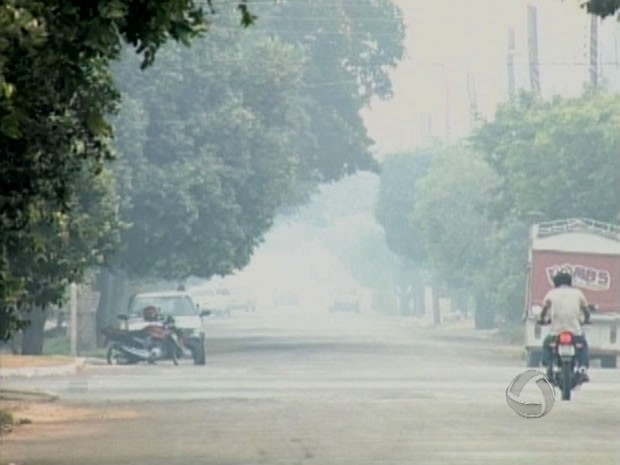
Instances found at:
x=110 y=354
x=566 y=380
x=172 y=349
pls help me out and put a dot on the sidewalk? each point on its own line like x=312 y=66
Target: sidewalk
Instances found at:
x=31 y=366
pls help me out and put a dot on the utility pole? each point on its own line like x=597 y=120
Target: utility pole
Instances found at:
x=510 y=63
x=73 y=317
x=448 y=129
x=473 y=102
x=594 y=65
x=532 y=40
x=424 y=128
x=429 y=126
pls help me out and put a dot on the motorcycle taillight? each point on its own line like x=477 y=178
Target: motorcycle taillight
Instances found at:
x=566 y=338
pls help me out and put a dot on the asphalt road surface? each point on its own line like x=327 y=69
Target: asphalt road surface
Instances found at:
x=344 y=389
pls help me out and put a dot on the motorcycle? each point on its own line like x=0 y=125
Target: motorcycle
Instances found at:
x=156 y=341
x=563 y=372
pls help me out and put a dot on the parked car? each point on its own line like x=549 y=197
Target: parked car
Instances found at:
x=241 y=299
x=188 y=317
x=215 y=300
x=346 y=301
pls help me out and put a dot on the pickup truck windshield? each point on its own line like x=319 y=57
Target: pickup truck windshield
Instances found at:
x=174 y=305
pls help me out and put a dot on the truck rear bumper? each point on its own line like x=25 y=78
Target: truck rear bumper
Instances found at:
x=602 y=336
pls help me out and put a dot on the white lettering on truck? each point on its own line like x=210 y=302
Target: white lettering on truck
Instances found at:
x=584 y=277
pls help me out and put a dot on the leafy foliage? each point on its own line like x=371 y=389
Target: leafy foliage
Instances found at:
x=205 y=143
x=212 y=144
x=469 y=212
x=602 y=8
x=55 y=92
x=212 y=149
x=350 y=48
x=60 y=248
x=400 y=174
x=449 y=217
x=557 y=159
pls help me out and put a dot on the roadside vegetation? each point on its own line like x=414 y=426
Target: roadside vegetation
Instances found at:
x=458 y=216
x=178 y=169
x=161 y=142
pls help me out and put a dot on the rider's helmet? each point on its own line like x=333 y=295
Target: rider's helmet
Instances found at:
x=150 y=313
x=562 y=278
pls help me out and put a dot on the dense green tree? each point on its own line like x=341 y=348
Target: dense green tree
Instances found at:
x=469 y=212
x=207 y=153
x=450 y=218
x=60 y=248
x=558 y=158
x=399 y=175
x=449 y=215
x=55 y=92
x=50 y=53
x=602 y=8
x=351 y=47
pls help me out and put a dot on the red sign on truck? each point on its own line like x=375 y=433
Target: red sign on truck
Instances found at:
x=598 y=276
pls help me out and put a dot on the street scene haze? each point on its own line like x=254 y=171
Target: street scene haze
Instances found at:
x=309 y=232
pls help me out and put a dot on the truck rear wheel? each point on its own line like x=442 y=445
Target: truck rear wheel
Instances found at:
x=609 y=362
x=534 y=359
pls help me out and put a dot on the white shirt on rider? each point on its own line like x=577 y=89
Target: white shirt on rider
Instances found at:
x=565 y=311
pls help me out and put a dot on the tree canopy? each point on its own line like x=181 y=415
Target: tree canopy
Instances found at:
x=205 y=145
x=557 y=158
x=213 y=141
x=602 y=8
x=400 y=174
x=469 y=211
x=56 y=92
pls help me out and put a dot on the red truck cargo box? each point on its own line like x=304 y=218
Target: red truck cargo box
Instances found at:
x=598 y=276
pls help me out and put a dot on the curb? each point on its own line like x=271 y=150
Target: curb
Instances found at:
x=33 y=372
x=28 y=395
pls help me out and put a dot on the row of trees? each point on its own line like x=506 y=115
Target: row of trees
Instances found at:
x=458 y=215
x=189 y=192
x=209 y=144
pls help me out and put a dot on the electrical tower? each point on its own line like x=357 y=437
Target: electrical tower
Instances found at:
x=594 y=64
x=510 y=64
x=532 y=40
x=473 y=102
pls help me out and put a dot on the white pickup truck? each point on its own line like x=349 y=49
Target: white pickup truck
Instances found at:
x=591 y=250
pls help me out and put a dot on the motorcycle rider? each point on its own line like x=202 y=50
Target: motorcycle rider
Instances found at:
x=565 y=304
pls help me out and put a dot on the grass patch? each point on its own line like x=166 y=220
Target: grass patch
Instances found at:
x=6 y=419
x=61 y=345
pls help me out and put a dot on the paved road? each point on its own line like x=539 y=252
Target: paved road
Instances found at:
x=350 y=390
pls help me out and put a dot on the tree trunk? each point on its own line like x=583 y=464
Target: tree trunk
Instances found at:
x=104 y=281
x=114 y=290
x=33 y=336
x=436 y=308
x=484 y=316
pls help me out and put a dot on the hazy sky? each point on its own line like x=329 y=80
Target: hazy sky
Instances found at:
x=449 y=39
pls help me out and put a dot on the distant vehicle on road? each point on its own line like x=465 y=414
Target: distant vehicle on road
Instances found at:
x=216 y=300
x=285 y=300
x=346 y=301
x=241 y=299
x=188 y=318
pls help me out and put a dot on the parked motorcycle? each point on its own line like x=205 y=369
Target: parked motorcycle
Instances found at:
x=156 y=341
x=563 y=371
